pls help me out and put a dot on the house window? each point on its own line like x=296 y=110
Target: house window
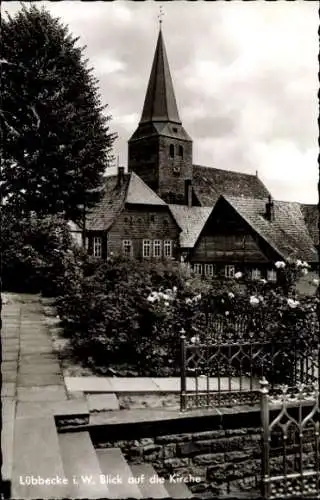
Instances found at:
x=97 y=246
x=208 y=269
x=229 y=271
x=167 y=248
x=181 y=151
x=157 y=248
x=197 y=269
x=272 y=275
x=255 y=274
x=127 y=248
x=146 y=248
x=171 y=150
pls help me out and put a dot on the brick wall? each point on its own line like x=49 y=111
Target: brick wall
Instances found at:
x=145 y=223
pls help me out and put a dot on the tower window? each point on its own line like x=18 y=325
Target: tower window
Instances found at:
x=181 y=151
x=175 y=129
x=171 y=150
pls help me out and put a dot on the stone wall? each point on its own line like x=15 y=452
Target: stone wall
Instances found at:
x=227 y=459
x=213 y=462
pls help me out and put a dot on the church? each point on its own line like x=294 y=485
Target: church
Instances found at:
x=165 y=207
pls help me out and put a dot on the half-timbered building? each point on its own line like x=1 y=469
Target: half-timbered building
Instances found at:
x=166 y=207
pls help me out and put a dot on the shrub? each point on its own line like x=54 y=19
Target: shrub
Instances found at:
x=128 y=313
x=37 y=254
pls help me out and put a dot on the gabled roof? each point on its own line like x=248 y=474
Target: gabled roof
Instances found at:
x=209 y=183
x=132 y=190
x=139 y=193
x=191 y=221
x=311 y=217
x=160 y=102
x=287 y=234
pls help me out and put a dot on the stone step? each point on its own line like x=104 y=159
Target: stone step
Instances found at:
x=81 y=466
x=153 y=485
x=36 y=457
x=114 y=467
x=7 y=443
x=177 y=490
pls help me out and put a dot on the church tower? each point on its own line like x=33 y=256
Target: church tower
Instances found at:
x=160 y=150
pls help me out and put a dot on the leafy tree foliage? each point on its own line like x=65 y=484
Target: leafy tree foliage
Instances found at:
x=37 y=254
x=56 y=137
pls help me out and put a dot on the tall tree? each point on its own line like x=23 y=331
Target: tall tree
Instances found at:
x=56 y=137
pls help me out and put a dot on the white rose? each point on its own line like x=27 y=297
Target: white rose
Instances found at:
x=238 y=275
x=263 y=281
x=293 y=303
x=304 y=271
x=195 y=339
x=299 y=263
x=315 y=282
x=231 y=295
x=254 y=300
x=280 y=264
x=174 y=289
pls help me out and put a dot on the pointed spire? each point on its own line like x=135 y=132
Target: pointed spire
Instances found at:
x=160 y=102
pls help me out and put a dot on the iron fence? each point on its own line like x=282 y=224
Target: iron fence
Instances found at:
x=225 y=369
x=290 y=444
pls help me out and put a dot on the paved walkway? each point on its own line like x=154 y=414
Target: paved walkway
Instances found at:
x=30 y=369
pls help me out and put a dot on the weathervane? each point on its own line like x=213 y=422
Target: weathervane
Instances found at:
x=160 y=16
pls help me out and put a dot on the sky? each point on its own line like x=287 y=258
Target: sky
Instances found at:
x=245 y=76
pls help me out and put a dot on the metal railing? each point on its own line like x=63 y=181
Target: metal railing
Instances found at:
x=225 y=370
x=290 y=444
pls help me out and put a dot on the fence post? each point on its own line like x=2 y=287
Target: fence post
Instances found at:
x=183 y=382
x=265 y=485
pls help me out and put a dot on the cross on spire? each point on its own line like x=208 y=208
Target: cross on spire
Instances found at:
x=160 y=16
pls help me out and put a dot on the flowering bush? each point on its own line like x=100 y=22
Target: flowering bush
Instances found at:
x=130 y=315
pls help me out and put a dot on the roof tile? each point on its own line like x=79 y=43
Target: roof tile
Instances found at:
x=209 y=183
x=287 y=233
x=191 y=220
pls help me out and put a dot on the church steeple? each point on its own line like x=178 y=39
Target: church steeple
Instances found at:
x=160 y=150
x=160 y=103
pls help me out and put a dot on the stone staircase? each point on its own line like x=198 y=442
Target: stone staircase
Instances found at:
x=66 y=465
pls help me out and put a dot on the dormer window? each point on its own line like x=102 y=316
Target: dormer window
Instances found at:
x=181 y=151
x=171 y=150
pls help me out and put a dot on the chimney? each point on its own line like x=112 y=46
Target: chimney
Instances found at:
x=270 y=209
x=120 y=175
x=188 y=192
